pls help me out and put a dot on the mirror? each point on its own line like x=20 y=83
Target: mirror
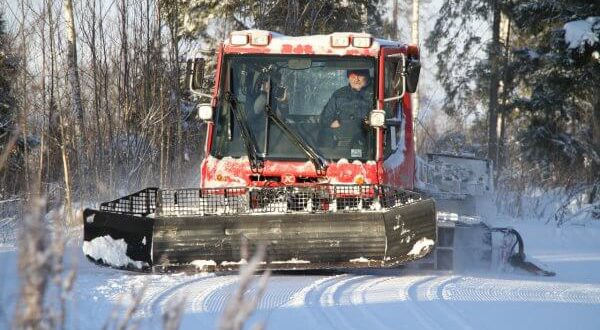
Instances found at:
x=413 y=70
x=195 y=73
x=399 y=77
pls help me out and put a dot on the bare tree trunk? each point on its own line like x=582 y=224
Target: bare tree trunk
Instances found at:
x=124 y=58
x=501 y=150
x=147 y=79
x=395 y=14
x=53 y=117
x=66 y=172
x=175 y=89
x=42 y=171
x=24 y=115
x=494 y=55
x=107 y=106
x=73 y=74
x=99 y=148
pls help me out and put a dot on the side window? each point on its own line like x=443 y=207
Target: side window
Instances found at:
x=392 y=108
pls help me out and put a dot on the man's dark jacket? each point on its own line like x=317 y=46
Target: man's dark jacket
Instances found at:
x=349 y=107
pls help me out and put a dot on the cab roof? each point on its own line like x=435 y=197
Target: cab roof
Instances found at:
x=338 y=43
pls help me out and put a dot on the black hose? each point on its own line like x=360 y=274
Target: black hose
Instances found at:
x=518 y=259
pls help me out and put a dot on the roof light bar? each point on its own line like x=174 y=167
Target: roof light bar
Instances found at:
x=238 y=39
x=340 y=40
x=362 y=41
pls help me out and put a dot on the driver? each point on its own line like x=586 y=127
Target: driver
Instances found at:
x=349 y=106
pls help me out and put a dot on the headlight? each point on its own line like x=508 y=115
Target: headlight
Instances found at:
x=205 y=112
x=238 y=39
x=362 y=42
x=377 y=118
x=260 y=39
x=340 y=40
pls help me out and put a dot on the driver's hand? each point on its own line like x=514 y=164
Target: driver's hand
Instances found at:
x=366 y=122
x=335 y=124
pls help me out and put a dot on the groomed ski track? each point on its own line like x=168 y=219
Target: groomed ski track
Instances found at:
x=397 y=299
x=361 y=299
x=387 y=299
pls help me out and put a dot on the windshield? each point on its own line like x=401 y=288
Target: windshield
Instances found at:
x=324 y=100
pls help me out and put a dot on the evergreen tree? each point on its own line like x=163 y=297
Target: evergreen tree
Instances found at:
x=549 y=92
x=8 y=110
x=200 y=17
x=7 y=101
x=460 y=45
x=556 y=101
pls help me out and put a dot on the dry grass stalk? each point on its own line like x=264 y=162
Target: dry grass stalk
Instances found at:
x=239 y=307
x=35 y=264
x=173 y=314
x=41 y=266
x=127 y=320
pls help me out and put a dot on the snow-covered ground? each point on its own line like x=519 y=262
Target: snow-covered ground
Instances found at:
x=390 y=299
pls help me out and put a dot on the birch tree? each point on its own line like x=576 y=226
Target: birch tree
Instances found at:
x=76 y=103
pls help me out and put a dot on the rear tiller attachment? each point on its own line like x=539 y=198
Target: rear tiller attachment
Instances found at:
x=467 y=243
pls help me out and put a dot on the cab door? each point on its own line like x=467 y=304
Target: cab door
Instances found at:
x=398 y=156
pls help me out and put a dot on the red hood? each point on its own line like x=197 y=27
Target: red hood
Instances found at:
x=233 y=172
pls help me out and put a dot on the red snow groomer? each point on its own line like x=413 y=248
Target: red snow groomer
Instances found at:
x=309 y=150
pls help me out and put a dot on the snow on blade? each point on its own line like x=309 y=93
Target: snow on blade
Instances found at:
x=424 y=244
x=234 y=263
x=291 y=261
x=112 y=252
x=203 y=264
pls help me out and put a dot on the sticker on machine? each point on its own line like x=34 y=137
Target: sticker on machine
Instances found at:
x=355 y=153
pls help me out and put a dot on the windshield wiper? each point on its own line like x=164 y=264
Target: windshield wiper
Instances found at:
x=317 y=160
x=256 y=162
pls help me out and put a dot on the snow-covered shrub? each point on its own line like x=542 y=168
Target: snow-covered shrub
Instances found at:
x=578 y=203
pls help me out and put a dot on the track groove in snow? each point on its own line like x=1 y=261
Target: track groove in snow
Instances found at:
x=518 y=290
x=316 y=296
x=360 y=298
x=415 y=304
x=207 y=299
x=432 y=291
x=158 y=299
x=282 y=290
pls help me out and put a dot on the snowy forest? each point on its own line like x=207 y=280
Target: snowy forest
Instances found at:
x=98 y=105
x=95 y=104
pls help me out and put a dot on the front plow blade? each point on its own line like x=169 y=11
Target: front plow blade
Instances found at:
x=322 y=228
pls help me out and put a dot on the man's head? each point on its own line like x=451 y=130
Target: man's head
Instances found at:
x=358 y=78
